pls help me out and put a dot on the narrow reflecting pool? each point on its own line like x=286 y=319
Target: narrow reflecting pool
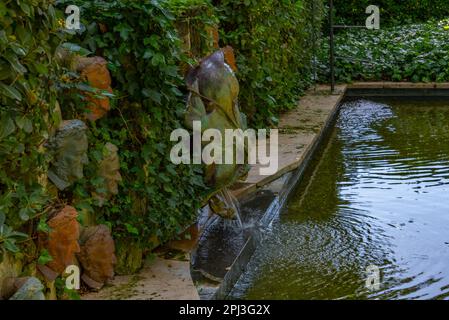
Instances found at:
x=376 y=194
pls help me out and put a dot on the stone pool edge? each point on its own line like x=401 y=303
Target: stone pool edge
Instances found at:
x=298 y=139
x=352 y=89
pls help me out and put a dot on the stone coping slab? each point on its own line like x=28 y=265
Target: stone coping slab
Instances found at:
x=398 y=85
x=298 y=129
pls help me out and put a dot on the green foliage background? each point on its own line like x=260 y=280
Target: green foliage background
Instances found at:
x=393 y=12
x=28 y=37
x=274 y=42
x=140 y=42
x=416 y=53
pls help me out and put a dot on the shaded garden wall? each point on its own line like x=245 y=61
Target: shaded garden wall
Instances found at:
x=148 y=46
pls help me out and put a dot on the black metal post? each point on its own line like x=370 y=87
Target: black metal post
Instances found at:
x=332 y=44
x=314 y=39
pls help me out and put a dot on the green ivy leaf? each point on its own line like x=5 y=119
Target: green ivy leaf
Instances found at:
x=18 y=49
x=131 y=229
x=41 y=68
x=43 y=226
x=18 y=235
x=25 y=124
x=152 y=94
x=158 y=59
x=15 y=63
x=24 y=213
x=10 y=246
x=25 y=7
x=73 y=47
x=124 y=30
x=10 y=92
x=44 y=257
x=153 y=40
x=7 y=126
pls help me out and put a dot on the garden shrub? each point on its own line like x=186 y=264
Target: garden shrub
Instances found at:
x=273 y=41
x=393 y=12
x=157 y=199
x=417 y=53
x=197 y=26
x=28 y=38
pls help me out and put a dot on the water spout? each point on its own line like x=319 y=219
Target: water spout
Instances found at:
x=232 y=203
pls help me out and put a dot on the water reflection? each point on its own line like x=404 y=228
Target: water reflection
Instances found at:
x=376 y=195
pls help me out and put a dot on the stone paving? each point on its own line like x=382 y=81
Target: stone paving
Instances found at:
x=160 y=279
x=298 y=129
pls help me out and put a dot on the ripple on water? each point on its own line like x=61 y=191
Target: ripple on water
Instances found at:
x=377 y=194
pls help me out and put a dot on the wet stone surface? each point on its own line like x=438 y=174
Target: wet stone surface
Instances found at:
x=222 y=240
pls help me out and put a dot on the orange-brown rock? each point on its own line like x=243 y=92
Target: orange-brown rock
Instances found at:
x=97 y=256
x=62 y=241
x=94 y=71
x=228 y=52
x=229 y=57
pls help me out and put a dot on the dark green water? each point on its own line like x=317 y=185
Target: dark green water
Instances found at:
x=377 y=194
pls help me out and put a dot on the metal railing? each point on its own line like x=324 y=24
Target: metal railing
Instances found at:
x=332 y=56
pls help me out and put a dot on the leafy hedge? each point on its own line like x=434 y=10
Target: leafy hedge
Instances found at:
x=140 y=42
x=393 y=12
x=409 y=53
x=273 y=41
x=28 y=37
x=196 y=24
x=139 y=39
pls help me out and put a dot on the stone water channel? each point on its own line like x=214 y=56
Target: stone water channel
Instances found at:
x=375 y=193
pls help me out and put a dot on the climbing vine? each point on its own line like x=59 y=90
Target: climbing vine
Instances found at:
x=157 y=199
x=29 y=34
x=274 y=43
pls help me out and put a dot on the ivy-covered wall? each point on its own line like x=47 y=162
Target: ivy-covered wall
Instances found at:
x=157 y=199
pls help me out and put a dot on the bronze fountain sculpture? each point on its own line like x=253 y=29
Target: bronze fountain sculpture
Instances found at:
x=213 y=100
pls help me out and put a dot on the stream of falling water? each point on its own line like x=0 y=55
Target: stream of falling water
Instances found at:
x=232 y=201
